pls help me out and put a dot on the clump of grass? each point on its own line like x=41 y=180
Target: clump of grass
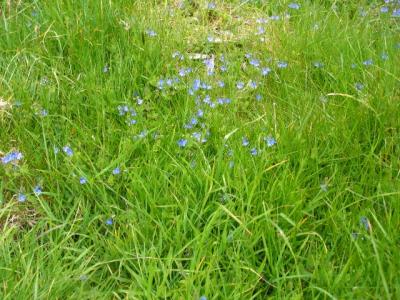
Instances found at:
x=181 y=149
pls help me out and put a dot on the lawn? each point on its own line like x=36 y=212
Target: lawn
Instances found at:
x=199 y=150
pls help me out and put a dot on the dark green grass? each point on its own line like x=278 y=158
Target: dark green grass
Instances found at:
x=186 y=223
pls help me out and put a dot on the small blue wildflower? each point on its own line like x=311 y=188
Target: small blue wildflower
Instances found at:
x=384 y=9
x=318 y=64
x=11 y=157
x=254 y=151
x=122 y=109
x=258 y=97
x=160 y=84
x=211 y=5
x=260 y=30
x=21 y=197
x=207 y=100
x=43 y=113
x=196 y=136
x=294 y=6
x=396 y=13
x=255 y=62
x=261 y=20
x=245 y=141
x=359 y=86
x=282 y=64
x=368 y=62
x=270 y=141
x=209 y=66
x=131 y=122
x=265 y=71
x=82 y=180
x=221 y=84
x=37 y=190
x=253 y=84
x=151 y=33
x=142 y=134
x=83 y=277
x=182 y=143
x=139 y=101
x=196 y=84
x=56 y=150
x=178 y=55
x=182 y=72
x=200 y=113
x=223 y=68
x=365 y=222
x=203 y=298
x=275 y=18
x=239 y=85
x=116 y=171
x=106 y=69
x=210 y=39
x=109 y=221
x=169 y=81
x=68 y=151
x=384 y=56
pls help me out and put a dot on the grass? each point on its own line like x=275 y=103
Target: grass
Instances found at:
x=129 y=214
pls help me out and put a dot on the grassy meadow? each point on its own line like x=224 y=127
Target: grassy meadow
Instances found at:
x=199 y=150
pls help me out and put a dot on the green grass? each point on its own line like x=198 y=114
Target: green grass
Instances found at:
x=208 y=218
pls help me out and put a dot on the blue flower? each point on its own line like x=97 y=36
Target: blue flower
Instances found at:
x=384 y=56
x=282 y=64
x=223 y=68
x=359 y=86
x=221 y=83
x=396 y=13
x=258 y=97
x=265 y=71
x=21 y=197
x=270 y=141
x=82 y=180
x=116 y=171
x=200 y=113
x=318 y=64
x=240 y=85
x=11 y=157
x=68 y=151
x=254 y=151
x=368 y=62
x=210 y=66
x=365 y=222
x=384 y=9
x=245 y=141
x=151 y=33
x=203 y=298
x=294 y=6
x=255 y=62
x=253 y=84
x=37 y=190
x=182 y=143
x=109 y=221
x=106 y=69
x=260 y=30
x=211 y=6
